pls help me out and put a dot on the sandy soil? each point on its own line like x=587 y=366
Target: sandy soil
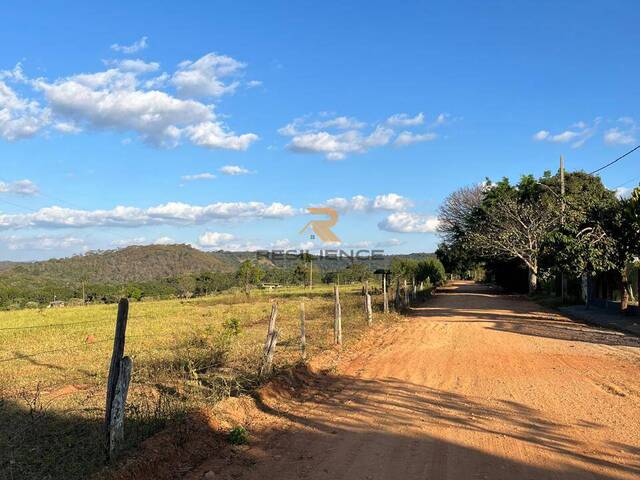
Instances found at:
x=475 y=385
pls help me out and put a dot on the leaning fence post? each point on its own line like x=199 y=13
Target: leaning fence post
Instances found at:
x=272 y=326
x=303 y=337
x=385 y=295
x=117 y=384
x=267 y=361
x=337 y=321
x=367 y=303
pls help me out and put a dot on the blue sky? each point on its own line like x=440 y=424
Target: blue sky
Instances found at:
x=115 y=117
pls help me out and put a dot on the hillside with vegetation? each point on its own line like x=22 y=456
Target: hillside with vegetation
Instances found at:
x=164 y=271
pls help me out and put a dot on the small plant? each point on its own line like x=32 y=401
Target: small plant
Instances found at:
x=238 y=436
x=232 y=326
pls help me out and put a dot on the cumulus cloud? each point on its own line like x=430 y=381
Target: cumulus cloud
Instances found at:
x=214 y=239
x=173 y=213
x=404 y=120
x=234 y=170
x=213 y=135
x=340 y=136
x=41 y=242
x=407 y=222
x=19 y=187
x=122 y=98
x=133 y=48
x=408 y=138
x=204 y=77
x=361 y=203
x=198 y=176
x=20 y=117
x=337 y=146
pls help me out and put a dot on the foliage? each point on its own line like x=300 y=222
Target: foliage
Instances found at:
x=238 y=436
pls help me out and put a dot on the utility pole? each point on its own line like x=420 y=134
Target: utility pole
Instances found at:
x=84 y=298
x=563 y=286
x=310 y=273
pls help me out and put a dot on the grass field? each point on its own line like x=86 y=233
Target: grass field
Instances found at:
x=186 y=353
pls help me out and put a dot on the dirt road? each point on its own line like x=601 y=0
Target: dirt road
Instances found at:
x=474 y=386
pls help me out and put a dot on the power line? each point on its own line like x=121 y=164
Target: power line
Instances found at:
x=627 y=182
x=615 y=161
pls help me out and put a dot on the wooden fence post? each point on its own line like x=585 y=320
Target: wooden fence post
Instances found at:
x=303 y=337
x=369 y=310
x=397 y=300
x=272 y=326
x=267 y=362
x=337 y=321
x=385 y=295
x=117 y=384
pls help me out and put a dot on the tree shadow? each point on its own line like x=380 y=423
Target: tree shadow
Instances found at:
x=349 y=427
x=519 y=316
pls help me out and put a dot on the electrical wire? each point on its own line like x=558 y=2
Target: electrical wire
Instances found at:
x=615 y=161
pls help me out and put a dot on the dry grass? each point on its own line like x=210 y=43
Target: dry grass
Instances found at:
x=54 y=364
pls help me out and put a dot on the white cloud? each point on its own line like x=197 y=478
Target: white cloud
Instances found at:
x=407 y=222
x=404 y=120
x=164 y=241
x=203 y=78
x=19 y=187
x=361 y=203
x=340 y=136
x=342 y=123
x=616 y=136
x=408 y=138
x=198 y=176
x=135 y=66
x=213 y=135
x=625 y=134
x=337 y=146
x=173 y=213
x=577 y=134
x=41 y=242
x=121 y=99
x=20 y=117
x=133 y=48
x=124 y=242
x=234 y=170
x=623 y=192
x=67 y=127
x=214 y=239
x=542 y=135
x=254 y=83
x=392 y=201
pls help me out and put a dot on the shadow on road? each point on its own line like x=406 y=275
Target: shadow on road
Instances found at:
x=516 y=314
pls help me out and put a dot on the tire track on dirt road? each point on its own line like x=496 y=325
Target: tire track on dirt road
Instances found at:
x=475 y=385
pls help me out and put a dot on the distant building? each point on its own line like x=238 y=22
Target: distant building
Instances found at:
x=56 y=304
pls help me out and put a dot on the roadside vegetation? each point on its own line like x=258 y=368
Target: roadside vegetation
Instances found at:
x=506 y=229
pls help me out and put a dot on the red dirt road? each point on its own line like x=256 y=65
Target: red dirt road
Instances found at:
x=473 y=386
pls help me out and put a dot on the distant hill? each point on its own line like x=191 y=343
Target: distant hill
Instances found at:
x=130 y=264
x=153 y=262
